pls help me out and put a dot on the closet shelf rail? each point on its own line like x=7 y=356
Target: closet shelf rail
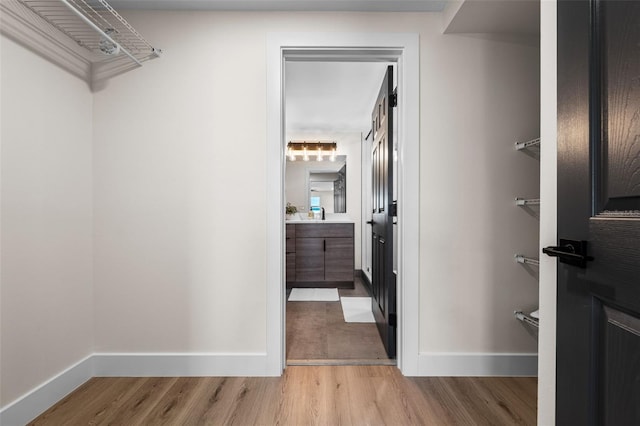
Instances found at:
x=527 y=144
x=527 y=201
x=87 y=38
x=526 y=260
x=96 y=26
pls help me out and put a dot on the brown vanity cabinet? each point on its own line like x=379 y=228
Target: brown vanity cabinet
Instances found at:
x=320 y=255
x=291 y=253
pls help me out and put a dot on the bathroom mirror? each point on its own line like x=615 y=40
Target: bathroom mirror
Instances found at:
x=311 y=185
x=328 y=189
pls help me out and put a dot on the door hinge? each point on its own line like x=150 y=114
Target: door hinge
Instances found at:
x=393 y=320
x=393 y=209
x=393 y=98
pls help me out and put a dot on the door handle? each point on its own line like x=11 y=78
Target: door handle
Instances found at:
x=369 y=222
x=324 y=245
x=571 y=252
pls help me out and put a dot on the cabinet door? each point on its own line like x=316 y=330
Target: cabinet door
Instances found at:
x=291 y=267
x=310 y=259
x=291 y=239
x=291 y=252
x=338 y=259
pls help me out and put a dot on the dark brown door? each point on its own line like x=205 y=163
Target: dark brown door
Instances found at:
x=598 y=316
x=383 y=285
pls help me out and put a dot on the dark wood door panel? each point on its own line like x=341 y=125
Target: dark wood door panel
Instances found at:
x=619 y=40
x=615 y=273
x=598 y=307
x=375 y=183
x=383 y=301
x=621 y=367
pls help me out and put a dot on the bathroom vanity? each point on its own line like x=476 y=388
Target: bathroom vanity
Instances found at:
x=319 y=254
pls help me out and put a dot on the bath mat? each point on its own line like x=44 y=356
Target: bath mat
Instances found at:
x=314 y=295
x=357 y=309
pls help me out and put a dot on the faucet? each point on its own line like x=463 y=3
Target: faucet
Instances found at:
x=323 y=213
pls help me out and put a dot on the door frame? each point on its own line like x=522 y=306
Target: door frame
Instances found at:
x=403 y=49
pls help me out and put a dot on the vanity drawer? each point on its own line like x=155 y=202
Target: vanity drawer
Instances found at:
x=291 y=239
x=322 y=230
x=291 y=267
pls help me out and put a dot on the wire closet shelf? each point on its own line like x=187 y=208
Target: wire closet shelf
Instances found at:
x=95 y=26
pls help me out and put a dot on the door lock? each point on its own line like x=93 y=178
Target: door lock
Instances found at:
x=571 y=252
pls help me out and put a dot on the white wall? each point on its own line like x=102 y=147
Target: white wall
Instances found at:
x=478 y=98
x=180 y=234
x=46 y=297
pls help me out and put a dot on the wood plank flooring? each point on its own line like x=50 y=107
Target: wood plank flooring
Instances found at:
x=317 y=331
x=310 y=395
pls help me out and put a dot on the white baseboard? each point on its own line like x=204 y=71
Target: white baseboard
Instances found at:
x=179 y=364
x=477 y=364
x=38 y=400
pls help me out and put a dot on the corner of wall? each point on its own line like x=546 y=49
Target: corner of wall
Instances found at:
x=33 y=403
x=452 y=9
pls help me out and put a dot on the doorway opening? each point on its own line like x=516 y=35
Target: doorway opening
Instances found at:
x=330 y=104
x=402 y=50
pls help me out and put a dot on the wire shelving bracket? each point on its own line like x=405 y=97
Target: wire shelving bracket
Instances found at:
x=527 y=144
x=527 y=319
x=527 y=201
x=526 y=260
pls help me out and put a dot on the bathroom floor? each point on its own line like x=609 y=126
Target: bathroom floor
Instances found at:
x=317 y=333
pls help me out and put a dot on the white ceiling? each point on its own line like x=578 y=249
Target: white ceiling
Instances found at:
x=287 y=5
x=331 y=96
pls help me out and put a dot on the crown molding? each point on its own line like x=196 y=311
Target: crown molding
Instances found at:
x=30 y=30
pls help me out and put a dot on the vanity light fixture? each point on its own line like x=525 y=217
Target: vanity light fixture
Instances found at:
x=303 y=148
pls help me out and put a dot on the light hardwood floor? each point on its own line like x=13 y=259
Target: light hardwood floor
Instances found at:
x=309 y=395
x=304 y=395
x=317 y=331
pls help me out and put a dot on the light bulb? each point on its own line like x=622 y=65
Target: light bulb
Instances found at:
x=333 y=155
x=305 y=156
x=319 y=157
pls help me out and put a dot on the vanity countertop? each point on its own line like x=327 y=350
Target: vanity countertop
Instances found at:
x=316 y=221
